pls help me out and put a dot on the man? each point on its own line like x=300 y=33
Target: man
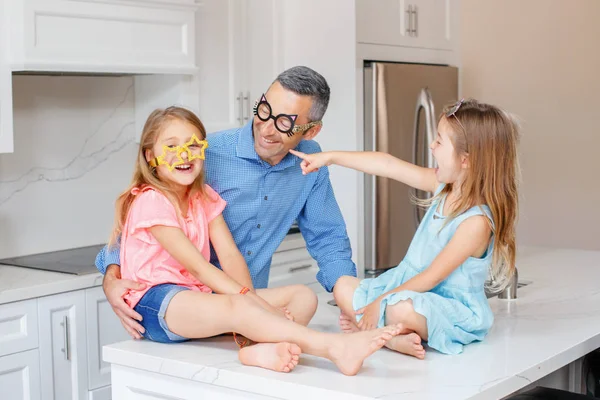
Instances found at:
x=251 y=169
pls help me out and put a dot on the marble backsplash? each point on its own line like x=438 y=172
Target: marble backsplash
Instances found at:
x=74 y=153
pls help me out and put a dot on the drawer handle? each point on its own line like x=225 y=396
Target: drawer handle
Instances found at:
x=65 y=325
x=300 y=268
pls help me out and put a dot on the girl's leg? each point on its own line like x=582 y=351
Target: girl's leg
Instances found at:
x=216 y=314
x=343 y=292
x=300 y=301
x=404 y=314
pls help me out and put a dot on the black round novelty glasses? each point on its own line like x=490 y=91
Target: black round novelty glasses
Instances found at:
x=284 y=123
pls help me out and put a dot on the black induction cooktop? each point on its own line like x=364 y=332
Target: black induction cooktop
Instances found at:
x=77 y=261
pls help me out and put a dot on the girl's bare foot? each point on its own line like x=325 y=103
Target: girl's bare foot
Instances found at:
x=407 y=344
x=347 y=324
x=280 y=357
x=350 y=351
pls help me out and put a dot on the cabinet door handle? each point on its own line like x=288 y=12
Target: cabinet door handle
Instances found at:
x=240 y=100
x=247 y=98
x=409 y=18
x=416 y=23
x=300 y=268
x=65 y=325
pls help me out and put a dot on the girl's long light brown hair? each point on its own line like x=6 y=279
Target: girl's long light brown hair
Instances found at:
x=489 y=137
x=144 y=175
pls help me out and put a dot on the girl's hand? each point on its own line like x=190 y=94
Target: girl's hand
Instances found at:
x=312 y=162
x=370 y=316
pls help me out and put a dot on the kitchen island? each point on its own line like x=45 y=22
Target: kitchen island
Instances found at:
x=554 y=322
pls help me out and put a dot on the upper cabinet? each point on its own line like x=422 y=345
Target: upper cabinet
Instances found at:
x=155 y=40
x=112 y=36
x=412 y=23
x=240 y=57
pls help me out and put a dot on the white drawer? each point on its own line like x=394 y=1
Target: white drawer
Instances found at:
x=18 y=326
x=116 y=36
x=103 y=393
x=292 y=267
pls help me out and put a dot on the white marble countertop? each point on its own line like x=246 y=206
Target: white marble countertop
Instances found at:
x=554 y=321
x=18 y=283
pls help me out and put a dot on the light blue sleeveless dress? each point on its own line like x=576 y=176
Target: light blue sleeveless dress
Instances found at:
x=457 y=310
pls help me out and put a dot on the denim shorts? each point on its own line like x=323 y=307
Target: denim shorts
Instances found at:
x=152 y=307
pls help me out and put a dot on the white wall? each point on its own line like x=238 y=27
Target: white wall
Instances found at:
x=74 y=153
x=540 y=59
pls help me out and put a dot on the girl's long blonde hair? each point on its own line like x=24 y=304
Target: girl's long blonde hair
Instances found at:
x=144 y=175
x=489 y=137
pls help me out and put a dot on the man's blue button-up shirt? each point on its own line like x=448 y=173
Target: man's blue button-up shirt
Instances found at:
x=263 y=201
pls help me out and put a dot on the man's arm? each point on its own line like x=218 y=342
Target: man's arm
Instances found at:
x=108 y=256
x=107 y=262
x=324 y=231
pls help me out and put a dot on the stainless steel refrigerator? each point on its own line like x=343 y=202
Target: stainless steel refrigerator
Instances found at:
x=402 y=103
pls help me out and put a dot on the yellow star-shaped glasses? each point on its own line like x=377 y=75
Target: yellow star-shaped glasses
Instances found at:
x=194 y=149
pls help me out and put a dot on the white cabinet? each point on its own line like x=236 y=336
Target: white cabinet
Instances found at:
x=413 y=23
x=51 y=347
x=153 y=39
x=103 y=328
x=239 y=63
x=140 y=36
x=63 y=356
x=18 y=327
x=6 y=135
x=292 y=264
x=20 y=376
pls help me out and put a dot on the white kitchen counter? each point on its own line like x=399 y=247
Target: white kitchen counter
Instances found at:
x=554 y=321
x=18 y=283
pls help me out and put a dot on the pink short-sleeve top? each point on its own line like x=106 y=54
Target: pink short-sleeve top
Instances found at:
x=143 y=259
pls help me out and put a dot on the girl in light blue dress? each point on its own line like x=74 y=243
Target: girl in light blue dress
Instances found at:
x=467 y=237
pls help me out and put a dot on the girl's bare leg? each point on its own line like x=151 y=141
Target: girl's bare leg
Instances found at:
x=300 y=301
x=401 y=314
x=404 y=314
x=216 y=314
x=343 y=292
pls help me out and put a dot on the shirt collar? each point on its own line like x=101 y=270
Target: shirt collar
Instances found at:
x=245 y=149
x=245 y=143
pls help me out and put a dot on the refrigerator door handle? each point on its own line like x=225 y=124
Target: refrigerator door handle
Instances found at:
x=424 y=102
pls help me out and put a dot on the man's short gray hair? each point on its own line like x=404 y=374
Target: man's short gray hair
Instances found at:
x=307 y=82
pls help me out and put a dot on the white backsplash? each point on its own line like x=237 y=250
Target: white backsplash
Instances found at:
x=74 y=153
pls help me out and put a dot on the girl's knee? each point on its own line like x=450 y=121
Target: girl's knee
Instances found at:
x=308 y=296
x=399 y=312
x=343 y=285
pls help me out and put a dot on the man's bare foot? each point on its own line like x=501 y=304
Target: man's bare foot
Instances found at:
x=347 y=324
x=407 y=344
x=280 y=357
x=349 y=351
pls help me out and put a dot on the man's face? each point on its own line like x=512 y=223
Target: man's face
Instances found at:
x=272 y=145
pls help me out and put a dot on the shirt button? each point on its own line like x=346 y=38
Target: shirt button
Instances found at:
x=266 y=197
x=258 y=226
x=249 y=252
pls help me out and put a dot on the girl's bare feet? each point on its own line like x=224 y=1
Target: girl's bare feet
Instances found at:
x=348 y=324
x=349 y=351
x=280 y=357
x=407 y=344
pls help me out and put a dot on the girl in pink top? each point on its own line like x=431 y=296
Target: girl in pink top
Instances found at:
x=166 y=221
